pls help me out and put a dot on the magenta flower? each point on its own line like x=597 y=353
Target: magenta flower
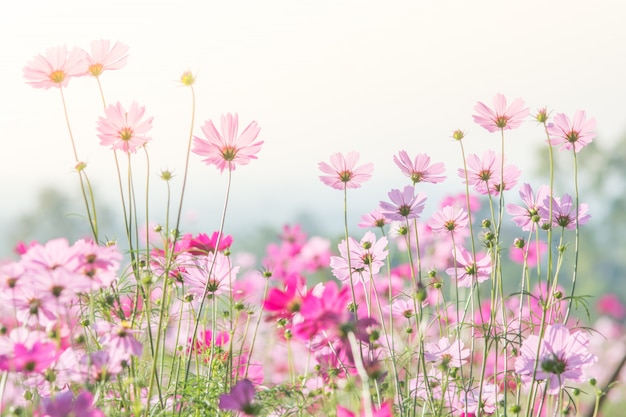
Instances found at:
x=385 y=410
x=227 y=149
x=564 y=212
x=528 y=216
x=468 y=269
x=56 y=68
x=501 y=117
x=343 y=172
x=419 y=169
x=557 y=357
x=448 y=219
x=124 y=130
x=103 y=57
x=325 y=307
x=575 y=134
x=65 y=404
x=404 y=204
x=241 y=398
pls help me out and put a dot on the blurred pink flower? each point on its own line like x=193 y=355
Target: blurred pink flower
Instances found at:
x=124 y=130
x=64 y=404
x=385 y=410
x=103 y=57
x=532 y=250
x=419 y=169
x=611 y=305
x=501 y=117
x=446 y=353
x=343 y=172
x=575 y=134
x=56 y=68
x=227 y=149
x=241 y=398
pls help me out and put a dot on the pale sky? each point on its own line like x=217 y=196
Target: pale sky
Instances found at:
x=318 y=76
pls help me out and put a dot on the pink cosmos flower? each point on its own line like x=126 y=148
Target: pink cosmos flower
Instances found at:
x=285 y=303
x=366 y=258
x=558 y=357
x=419 y=169
x=446 y=354
x=488 y=400
x=214 y=268
x=119 y=340
x=56 y=68
x=572 y=135
x=448 y=219
x=468 y=269
x=103 y=57
x=611 y=305
x=26 y=351
x=527 y=216
x=501 y=117
x=343 y=172
x=227 y=149
x=323 y=308
x=404 y=204
x=373 y=219
x=486 y=174
x=65 y=404
x=563 y=212
x=124 y=130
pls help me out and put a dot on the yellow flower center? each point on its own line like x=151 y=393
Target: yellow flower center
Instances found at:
x=126 y=133
x=57 y=76
x=95 y=69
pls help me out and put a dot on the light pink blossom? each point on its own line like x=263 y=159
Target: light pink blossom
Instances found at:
x=404 y=204
x=468 y=269
x=501 y=117
x=124 y=130
x=448 y=220
x=56 y=68
x=343 y=171
x=105 y=57
x=528 y=216
x=227 y=149
x=564 y=212
x=575 y=134
x=419 y=168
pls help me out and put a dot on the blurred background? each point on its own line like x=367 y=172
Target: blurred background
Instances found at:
x=319 y=77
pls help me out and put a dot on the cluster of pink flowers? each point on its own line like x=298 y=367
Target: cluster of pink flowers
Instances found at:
x=400 y=311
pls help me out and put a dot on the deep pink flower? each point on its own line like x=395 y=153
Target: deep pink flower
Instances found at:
x=343 y=172
x=103 y=57
x=286 y=302
x=468 y=269
x=528 y=216
x=556 y=358
x=202 y=243
x=563 y=212
x=65 y=404
x=323 y=308
x=241 y=398
x=419 y=169
x=611 y=305
x=448 y=220
x=227 y=149
x=56 y=68
x=501 y=117
x=124 y=130
x=575 y=134
x=404 y=204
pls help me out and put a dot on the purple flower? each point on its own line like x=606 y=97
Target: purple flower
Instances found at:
x=527 y=216
x=241 y=398
x=563 y=212
x=64 y=404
